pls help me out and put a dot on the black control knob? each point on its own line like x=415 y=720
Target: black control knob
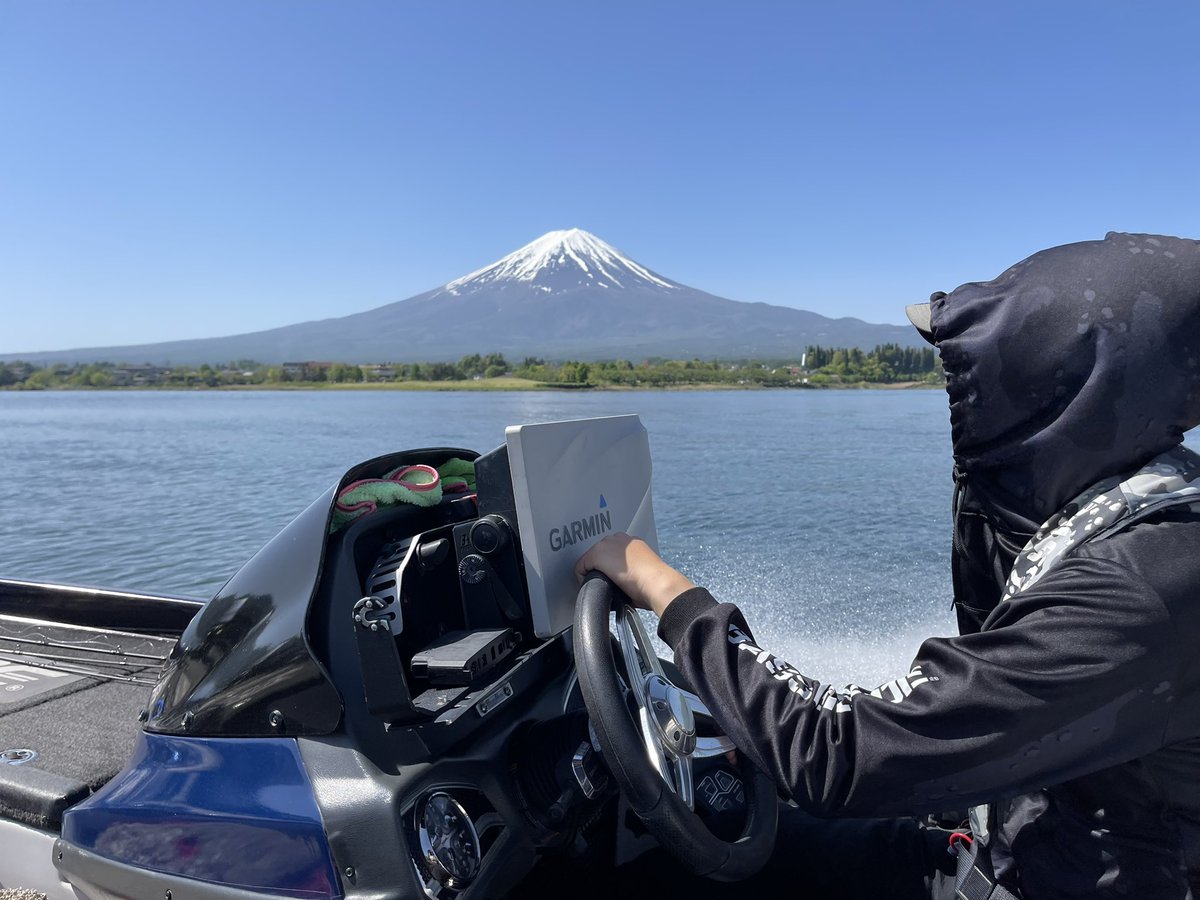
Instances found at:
x=490 y=535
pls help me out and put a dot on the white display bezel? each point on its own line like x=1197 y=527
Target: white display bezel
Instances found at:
x=573 y=483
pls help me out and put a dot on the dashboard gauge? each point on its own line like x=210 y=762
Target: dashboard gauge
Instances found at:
x=449 y=841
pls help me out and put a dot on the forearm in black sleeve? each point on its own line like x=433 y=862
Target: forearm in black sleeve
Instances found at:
x=1063 y=688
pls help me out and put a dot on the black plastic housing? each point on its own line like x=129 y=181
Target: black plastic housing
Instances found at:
x=273 y=652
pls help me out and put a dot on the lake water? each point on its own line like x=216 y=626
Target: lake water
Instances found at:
x=823 y=514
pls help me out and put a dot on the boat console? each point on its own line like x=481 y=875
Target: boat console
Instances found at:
x=407 y=703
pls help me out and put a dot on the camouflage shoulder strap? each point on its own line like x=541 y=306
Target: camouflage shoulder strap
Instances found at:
x=1171 y=479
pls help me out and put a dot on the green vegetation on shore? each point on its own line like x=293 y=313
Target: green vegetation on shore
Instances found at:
x=817 y=367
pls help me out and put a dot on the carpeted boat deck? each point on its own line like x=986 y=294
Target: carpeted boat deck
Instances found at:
x=62 y=736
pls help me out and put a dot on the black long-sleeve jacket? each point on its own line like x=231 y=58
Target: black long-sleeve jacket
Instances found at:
x=1087 y=685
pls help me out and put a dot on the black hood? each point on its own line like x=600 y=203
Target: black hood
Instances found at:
x=1080 y=362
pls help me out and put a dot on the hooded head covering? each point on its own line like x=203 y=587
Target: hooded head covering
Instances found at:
x=1080 y=362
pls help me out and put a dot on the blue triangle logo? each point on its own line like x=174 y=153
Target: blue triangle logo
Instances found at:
x=603 y=502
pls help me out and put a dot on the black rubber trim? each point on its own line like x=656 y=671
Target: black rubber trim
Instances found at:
x=33 y=795
x=98 y=607
x=676 y=827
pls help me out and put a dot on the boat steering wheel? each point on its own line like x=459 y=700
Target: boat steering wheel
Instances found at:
x=651 y=758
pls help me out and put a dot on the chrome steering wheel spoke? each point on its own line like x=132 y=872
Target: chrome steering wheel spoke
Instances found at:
x=685 y=781
x=640 y=658
x=664 y=712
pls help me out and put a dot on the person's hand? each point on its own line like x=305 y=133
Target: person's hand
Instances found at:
x=636 y=569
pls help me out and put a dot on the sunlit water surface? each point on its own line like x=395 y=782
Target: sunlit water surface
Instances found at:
x=823 y=514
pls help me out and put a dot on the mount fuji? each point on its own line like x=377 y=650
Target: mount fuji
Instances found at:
x=566 y=295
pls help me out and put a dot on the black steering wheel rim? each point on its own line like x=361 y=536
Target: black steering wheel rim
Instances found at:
x=665 y=814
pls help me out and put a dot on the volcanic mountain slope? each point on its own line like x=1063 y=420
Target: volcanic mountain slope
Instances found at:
x=567 y=294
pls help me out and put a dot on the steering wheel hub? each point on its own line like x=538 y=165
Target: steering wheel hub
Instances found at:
x=672 y=716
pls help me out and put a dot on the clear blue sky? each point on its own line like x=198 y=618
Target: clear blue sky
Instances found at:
x=189 y=169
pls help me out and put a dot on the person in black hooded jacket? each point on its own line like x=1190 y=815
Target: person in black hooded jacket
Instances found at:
x=1066 y=713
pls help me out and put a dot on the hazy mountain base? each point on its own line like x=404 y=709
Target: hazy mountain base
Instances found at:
x=522 y=384
x=498 y=384
x=820 y=367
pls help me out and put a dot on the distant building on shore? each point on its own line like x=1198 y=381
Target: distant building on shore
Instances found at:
x=304 y=371
x=136 y=376
x=379 y=372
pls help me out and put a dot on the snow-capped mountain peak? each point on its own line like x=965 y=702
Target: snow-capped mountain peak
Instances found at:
x=562 y=260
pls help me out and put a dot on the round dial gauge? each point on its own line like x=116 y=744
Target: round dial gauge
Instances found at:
x=449 y=842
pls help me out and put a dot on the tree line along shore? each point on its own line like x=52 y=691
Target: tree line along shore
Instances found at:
x=817 y=367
